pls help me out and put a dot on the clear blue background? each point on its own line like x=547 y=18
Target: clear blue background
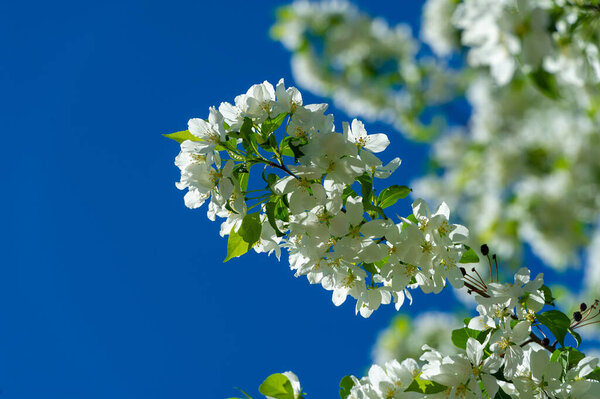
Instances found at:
x=109 y=286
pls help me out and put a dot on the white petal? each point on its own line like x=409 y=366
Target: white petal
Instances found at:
x=377 y=142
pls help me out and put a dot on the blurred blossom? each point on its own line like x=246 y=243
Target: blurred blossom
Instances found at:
x=406 y=335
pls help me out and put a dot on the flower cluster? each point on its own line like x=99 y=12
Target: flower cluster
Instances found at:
x=531 y=76
x=311 y=204
x=499 y=352
x=538 y=37
x=504 y=352
x=525 y=159
x=527 y=153
x=368 y=68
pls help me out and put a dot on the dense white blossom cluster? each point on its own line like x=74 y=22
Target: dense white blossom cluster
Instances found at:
x=335 y=237
x=368 y=68
x=498 y=354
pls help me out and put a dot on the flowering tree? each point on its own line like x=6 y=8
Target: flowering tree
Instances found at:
x=323 y=199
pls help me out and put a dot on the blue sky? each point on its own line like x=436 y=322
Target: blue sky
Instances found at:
x=109 y=286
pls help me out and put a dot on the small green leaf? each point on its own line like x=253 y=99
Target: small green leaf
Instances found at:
x=372 y=209
x=272 y=124
x=382 y=262
x=272 y=178
x=182 y=136
x=251 y=228
x=389 y=195
x=243 y=179
x=370 y=267
x=346 y=385
x=548 y=298
x=557 y=322
x=425 y=387
x=460 y=336
x=366 y=188
x=412 y=218
x=348 y=192
x=248 y=137
x=546 y=82
x=469 y=256
x=567 y=357
x=594 y=375
x=236 y=246
x=270 y=209
x=281 y=209
x=277 y=386
x=291 y=147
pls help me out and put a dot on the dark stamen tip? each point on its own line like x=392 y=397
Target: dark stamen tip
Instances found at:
x=583 y=306
x=485 y=249
x=577 y=316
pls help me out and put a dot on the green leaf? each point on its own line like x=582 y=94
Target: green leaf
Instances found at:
x=370 y=267
x=460 y=336
x=281 y=209
x=546 y=82
x=567 y=357
x=348 y=192
x=557 y=322
x=594 y=375
x=412 y=218
x=182 y=136
x=272 y=124
x=243 y=179
x=291 y=147
x=248 y=137
x=366 y=188
x=381 y=262
x=272 y=178
x=236 y=246
x=346 y=385
x=389 y=195
x=277 y=386
x=425 y=387
x=372 y=209
x=251 y=228
x=270 y=209
x=548 y=298
x=469 y=256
